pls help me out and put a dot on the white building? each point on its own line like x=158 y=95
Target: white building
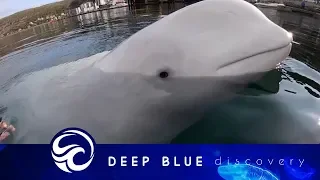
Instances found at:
x=102 y=2
x=91 y=6
x=88 y=6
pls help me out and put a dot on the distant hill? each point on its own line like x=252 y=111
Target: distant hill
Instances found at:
x=31 y=17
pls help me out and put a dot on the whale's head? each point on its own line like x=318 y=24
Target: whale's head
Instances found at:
x=212 y=38
x=197 y=56
x=160 y=80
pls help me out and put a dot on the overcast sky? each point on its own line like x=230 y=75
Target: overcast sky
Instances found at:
x=8 y=7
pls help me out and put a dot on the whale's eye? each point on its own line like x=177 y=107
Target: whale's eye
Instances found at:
x=164 y=74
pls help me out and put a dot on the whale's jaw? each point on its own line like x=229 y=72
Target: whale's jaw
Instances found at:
x=257 y=63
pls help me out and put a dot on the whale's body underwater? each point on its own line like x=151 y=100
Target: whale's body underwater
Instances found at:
x=156 y=83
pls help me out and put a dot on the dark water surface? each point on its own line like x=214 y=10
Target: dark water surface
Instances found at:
x=284 y=106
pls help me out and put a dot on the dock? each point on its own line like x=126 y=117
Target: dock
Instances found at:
x=310 y=9
x=77 y=8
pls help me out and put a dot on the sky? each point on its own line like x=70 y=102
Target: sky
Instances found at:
x=9 y=7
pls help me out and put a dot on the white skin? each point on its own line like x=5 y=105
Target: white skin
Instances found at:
x=119 y=98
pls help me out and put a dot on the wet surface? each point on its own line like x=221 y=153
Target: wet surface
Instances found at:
x=284 y=106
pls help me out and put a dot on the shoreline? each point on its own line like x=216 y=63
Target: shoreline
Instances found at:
x=97 y=10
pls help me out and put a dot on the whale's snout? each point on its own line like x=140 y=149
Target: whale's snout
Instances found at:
x=268 y=49
x=289 y=37
x=257 y=46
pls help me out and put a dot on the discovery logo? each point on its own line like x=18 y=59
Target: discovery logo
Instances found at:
x=68 y=147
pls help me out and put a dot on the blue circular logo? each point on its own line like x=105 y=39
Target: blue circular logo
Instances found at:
x=72 y=149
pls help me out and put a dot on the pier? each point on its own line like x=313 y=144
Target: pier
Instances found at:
x=311 y=8
x=81 y=7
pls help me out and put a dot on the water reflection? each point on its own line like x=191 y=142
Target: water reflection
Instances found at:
x=270 y=83
x=107 y=18
x=311 y=84
x=302 y=80
x=37 y=34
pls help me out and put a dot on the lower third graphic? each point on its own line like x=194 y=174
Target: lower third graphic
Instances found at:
x=64 y=149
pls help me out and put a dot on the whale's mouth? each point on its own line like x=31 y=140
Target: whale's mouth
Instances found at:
x=257 y=62
x=256 y=54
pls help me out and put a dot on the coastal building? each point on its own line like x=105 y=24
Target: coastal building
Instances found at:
x=88 y=6
x=77 y=7
x=85 y=7
x=101 y=3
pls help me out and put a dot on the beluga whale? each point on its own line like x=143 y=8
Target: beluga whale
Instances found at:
x=155 y=84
